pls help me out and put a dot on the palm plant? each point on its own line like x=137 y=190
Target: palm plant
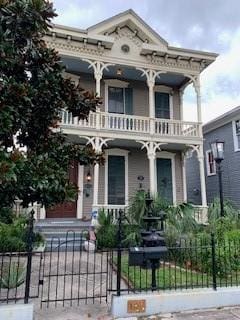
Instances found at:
x=229 y=210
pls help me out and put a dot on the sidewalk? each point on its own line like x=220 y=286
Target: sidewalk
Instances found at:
x=84 y=312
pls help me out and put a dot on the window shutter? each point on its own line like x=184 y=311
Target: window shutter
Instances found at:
x=128 y=100
x=116 y=180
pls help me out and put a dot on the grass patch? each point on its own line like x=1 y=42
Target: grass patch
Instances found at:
x=169 y=277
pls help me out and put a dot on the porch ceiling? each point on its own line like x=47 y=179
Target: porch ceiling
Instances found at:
x=77 y=66
x=127 y=144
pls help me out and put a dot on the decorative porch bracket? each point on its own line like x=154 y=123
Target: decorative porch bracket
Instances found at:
x=151 y=76
x=98 y=68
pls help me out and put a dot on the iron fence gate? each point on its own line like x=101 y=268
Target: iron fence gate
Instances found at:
x=73 y=272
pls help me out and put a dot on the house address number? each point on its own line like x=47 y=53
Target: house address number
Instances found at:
x=136 y=306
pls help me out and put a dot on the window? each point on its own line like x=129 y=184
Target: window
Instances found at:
x=115 y=100
x=210 y=163
x=162 y=105
x=236 y=135
x=120 y=100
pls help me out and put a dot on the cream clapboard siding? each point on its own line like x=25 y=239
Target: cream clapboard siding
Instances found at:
x=137 y=165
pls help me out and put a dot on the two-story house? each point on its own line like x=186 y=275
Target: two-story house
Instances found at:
x=140 y=126
x=227 y=128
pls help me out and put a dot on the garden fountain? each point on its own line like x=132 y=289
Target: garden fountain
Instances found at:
x=153 y=246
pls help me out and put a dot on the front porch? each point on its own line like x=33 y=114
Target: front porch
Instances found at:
x=129 y=166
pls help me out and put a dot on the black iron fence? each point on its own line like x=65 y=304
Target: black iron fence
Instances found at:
x=190 y=265
x=72 y=270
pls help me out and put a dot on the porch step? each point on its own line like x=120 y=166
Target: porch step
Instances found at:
x=65 y=234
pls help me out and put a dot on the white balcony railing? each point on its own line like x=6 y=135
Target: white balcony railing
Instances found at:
x=135 y=124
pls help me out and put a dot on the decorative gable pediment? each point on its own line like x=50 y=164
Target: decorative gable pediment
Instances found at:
x=130 y=25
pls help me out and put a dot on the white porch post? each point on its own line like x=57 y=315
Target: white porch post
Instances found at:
x=184 y=177
x=181 y=92
x=95 y=184
x=97 y=144
x=151 y=148
x=196 y=84
x=152 y=173
x=151 y=76
x=80 y=193
x=202 y=176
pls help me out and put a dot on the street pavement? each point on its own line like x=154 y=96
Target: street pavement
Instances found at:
x=86 y=312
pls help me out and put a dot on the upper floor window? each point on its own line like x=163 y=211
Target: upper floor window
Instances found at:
x=120 y=100
x=162 y=105
x=210 y=163
x=236 y=134
x=116 y=100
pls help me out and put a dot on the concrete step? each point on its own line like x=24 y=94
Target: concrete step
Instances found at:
x=67 y=234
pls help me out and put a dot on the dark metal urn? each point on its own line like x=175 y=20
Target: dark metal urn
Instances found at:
x=153 y=247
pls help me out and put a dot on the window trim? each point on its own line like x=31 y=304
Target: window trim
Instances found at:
x=235 y=140
x=116 y=152
x=209 y=174
x=116 y=84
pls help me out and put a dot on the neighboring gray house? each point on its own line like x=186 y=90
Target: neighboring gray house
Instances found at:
x=226 y=127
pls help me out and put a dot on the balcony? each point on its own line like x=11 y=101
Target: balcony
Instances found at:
x=129 y=124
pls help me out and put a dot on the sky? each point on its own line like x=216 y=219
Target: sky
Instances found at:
x=210 y=25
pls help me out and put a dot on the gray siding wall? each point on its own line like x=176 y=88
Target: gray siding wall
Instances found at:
x=230 y=165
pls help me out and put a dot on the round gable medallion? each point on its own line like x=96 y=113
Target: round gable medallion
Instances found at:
x=125 y=48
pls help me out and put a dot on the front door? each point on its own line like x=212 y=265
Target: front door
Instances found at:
x=164 y=179
x=68 y=209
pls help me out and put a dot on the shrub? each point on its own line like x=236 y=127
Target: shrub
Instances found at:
x=13 y=237
x=12 y=275
x=6 y=215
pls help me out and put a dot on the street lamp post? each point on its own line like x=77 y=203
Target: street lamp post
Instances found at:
x=217 y=148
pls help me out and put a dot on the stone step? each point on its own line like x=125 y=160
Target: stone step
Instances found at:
x=63 y=234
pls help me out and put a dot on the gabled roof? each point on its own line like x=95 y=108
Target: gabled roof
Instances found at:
x=133 y=21
x=221 y=120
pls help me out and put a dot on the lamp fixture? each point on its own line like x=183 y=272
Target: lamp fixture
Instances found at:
x=217 y=148
x=88 y=176
x=119 y=72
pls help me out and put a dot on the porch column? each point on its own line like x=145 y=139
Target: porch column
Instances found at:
x=151 y=76
x=98 y=68
x=196 y=84
x=184 y=180
x=97 y=143
x=151 y=148
x=80 y=193
x=152 y=173
x=181 y=92
x=202 y=176
x=95 y=184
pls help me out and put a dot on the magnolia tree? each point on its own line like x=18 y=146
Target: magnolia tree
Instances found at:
x=34 y=153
